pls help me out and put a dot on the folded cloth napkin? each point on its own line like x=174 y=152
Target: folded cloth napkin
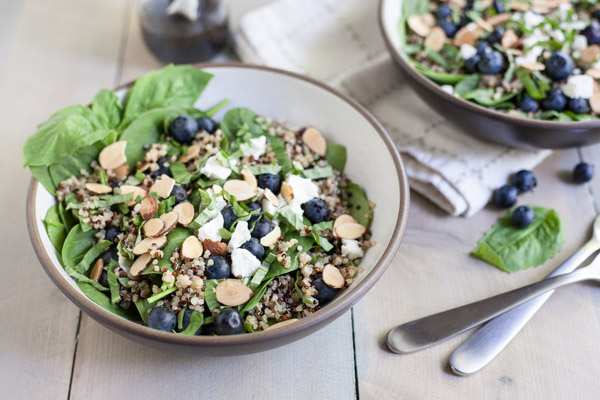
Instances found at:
x=338 y=41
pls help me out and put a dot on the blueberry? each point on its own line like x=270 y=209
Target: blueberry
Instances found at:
x=162 y=318
x=505 y=196
x=471 y=63
x=262 y=227
x=110 y=254
x=229 y=216
x=183 y=129
x=469 y=5
x=253 y=207
x=208 y=329
x=179 y=192
x=491 y=63
x=207 y=124
x=187 y=317
x=579 y=106
x=528 y=104
x=596 y=13
x=583 y=172
x=111 y=233
x=220 y=268
x=269 y=181
x=523 y=216
x=228 y=322
x=325 y=293
x=163 y=168
x=592 y=33
x=524 y=180
x=559 y=66
x=103 y=280
x=483 y=47
x=464 y=20
x=496 y=35
x=443 y=12
x=498 y=6
x=254 y=247
x=316 y=210
x=555 y=100
x=449 y=28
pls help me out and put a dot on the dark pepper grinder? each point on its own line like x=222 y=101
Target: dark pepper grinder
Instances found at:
x=184 y=31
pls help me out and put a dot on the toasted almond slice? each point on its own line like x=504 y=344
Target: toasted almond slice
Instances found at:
x=498 y=19
x=467 y=35
x=282 y=324
x=163 y=186
x=510 y=39
x=333 y=277
x=149 y=206
x=271 y=197
x=121 y=172
x=287 y=192
x=216 y=189
x=595 y=103
x=192 y=152
x=518 y=6
x=140 y=264
x=429 y=19
x=239 y=189
x=515 y=52
x=98 y=188
x=418 y=25
x=233 y=293
x=147 y=244
x=315 y=141
x=249 y=177
x=154 y=228
x=137 y=191
x=170 y=219
x=97 y=270
x=435 y=40
x=350 y=230
x=215 y=248
x=484 y=24
x=271 y=238
x=113 y=155
x=596 y=87
x=589 y=55
x=191 y=248
x=533 y=66
x=594 y=73
x=185 y=212
x=144 y=167
x=344 y=219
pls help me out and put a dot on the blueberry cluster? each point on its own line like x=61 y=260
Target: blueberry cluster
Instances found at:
x=506 y=196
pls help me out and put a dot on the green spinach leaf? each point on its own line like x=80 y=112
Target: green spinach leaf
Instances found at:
x=76 y=245
x=336 y=156
x=106 y=104
x=55 y=228
x=101 y=299
x=360 y=208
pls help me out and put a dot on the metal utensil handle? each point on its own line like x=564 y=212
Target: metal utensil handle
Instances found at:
x=485 y=344
x=424 y=332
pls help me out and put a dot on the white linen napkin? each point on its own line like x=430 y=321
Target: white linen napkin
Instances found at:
x=338 y=41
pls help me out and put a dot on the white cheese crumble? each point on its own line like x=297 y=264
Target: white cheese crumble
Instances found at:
x=210 y=230
x=530 y=57
x=580 y=43
x=243 y=263
x=579 y=87
x=467 y=51
x=257 y=148
x=304 y=190
x=448 y=89
x=532 y=19
x=351 y=249
x=240 y=236
x=214 y=170
x=563 y=10
x=558 y=35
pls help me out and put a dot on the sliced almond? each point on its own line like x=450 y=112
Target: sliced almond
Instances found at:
x=232 y=293
x=147 y=244
x=192 y=152
x=515 y=52
x=271 y=238
x=154 y=228
x=595 y=103
x=518 y=6
x=435 y=41
x=498 y=19
x=144 y=167
x=121 y=172
x=185 y=211
x=421 y=24
x=239 y=189
x=596 y=87
x=113 y=155
x=594 y=73
x=191 y=248
x=137 y=191
x=271 y=197
x=510 y=39
x=140 y=264
x=148 y=207
x=350 y=230
x=98 y=188
x=283 y=323
x=215 y=248
x=484 y=24
x=170 y=219
x=287 y=192
x=533 y=66
x=315 y=141
x=97 y=270
x=344 y=219
x=333 y=277
x=163 y=186
x=467 y=35
x=216 y=189
x=590 y=55
x=249 y=177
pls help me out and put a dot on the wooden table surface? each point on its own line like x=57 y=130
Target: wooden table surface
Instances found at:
x=60 y=52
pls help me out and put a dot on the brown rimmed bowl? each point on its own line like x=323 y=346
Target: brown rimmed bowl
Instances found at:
x=373 y=162
x=484 y=123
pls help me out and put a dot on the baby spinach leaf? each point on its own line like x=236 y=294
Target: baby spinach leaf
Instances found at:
x=76 y=245
x=415 y=7
x=277 y=268
x=485 y=97
x=175 y=239
x=259 y=292
x=210 y=297
x=196 y=321
x=466 y=85
x=181 y=173
x=101 y=299
x=106 y=104
x=439 y=77
x=214 y=109
x=318 y=172
x=234 y=120
x=55 y=228
x=143 y=307
x=113 y=283
x=531 y=85
x=92 y=254
x=336 y=156
x=305 y=299
x=42 y=174
x=72 y=165
x=278 y=148
x=263 y=169
x=512 y=249
x=321 y=241
x=359 y=204
x=288 y=215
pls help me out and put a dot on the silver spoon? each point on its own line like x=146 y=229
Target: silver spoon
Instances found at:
x=422 y=333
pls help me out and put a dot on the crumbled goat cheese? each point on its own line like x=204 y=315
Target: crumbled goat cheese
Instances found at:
x=214 y=170
x=351 y=249
x=558 y=35
x=580 y=43
x=532 y=19
x=467 y=51
x=448 y=89
x=257 y=148
x=579 y=87
x=243 y=263
x=210 y=230
x=530 y=57
x=240 y=236
x=304 y=190
x=563 y=10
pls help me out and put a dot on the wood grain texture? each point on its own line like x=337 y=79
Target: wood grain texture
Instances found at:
x=53 y=55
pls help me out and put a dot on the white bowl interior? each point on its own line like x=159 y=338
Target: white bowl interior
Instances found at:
x=391 y=11
x=300 y=103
